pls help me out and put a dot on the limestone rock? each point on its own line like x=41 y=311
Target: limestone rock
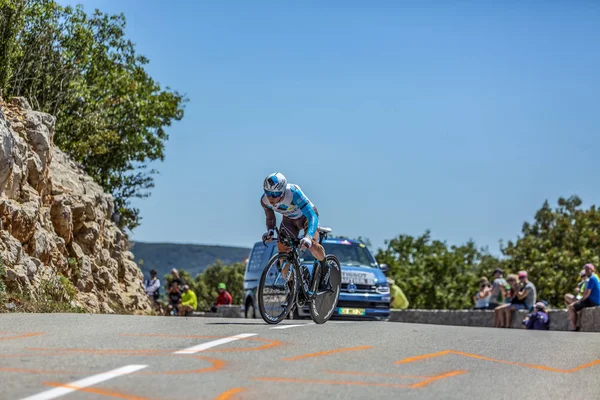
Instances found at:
x=54 y=219
x=19 y=219
x=62 y=218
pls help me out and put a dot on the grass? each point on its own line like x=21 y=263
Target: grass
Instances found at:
x=54 y=295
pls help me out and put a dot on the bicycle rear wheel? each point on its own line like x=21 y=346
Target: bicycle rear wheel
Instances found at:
x=276 y=294
x=323 y=305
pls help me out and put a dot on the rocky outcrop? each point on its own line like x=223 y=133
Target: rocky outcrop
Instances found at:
x=55 y=220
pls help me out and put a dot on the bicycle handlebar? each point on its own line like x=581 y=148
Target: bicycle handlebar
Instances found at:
x=289 y=241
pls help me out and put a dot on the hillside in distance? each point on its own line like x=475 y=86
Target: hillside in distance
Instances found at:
x=194 y=258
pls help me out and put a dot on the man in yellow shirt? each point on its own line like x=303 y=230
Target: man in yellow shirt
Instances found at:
x=397 y=298
x=189 y=301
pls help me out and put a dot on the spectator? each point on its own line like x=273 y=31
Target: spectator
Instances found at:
x=223 y=299
x=174 y=299
x=482 y=298
x=591 y=296
x=153 y=287
x=524 y=299
x=538 y=319
x=176 y=278
x=189 y=301
x=397 y=298
x=501 y=311
x=500 y=289
x=571 y=298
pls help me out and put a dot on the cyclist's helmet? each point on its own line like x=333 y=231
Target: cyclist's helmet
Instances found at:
x=274 y=185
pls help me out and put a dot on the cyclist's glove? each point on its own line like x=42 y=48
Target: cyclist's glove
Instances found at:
x=268 y=235
x=306 y=242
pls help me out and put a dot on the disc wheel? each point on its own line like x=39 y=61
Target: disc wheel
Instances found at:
x=325 y=303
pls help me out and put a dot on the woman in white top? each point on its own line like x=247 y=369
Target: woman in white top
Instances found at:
x=483 y=296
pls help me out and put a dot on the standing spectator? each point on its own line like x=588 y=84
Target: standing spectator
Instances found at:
x=571 y=298
x=189 y=301
x=482 y=298
x=500 y=289
x=223 y=299
x=153 y=288
x=397 y=298
x=591 y=296
x=538 y=319
x=174 y=299
x=176 y=278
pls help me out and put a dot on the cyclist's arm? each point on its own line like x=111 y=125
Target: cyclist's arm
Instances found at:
x=270 y=214
x=302 y=201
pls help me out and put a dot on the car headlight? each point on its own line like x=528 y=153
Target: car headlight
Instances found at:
x=385 y=288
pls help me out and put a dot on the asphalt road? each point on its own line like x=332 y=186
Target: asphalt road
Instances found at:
x=44 y=356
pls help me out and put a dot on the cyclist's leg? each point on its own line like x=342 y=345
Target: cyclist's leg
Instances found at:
x=318 y=252
x=288 y=228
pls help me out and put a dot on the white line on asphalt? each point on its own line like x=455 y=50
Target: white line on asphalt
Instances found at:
x=208 y=345
x=289 y=326
x=85 y=382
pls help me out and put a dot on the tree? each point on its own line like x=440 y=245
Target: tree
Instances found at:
x=11 y=22
x=111 y=115
x=205 y=284
x=555 y=246
x=434 y=275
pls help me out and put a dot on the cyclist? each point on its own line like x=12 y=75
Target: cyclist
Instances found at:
x=299 y=213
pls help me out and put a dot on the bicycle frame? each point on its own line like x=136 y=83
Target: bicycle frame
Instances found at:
x=293 y=256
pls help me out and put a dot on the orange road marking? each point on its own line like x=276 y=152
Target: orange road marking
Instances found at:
x=170 y=336
x=374 y=374
x=270 y=343
x=478 y=357
x=422 y=357
x=324 y=353
x=216 y=365
x=230 y=393
x=108 y=351
x=417 y=385
x=329 y=382
x=437 y=378
x=19 y=336
x=102 y=392
x=34 y=371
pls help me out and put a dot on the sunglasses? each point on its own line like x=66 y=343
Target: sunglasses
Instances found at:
x=273 y=194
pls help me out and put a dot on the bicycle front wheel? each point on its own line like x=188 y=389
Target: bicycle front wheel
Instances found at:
x=277 y=290
x=324 y=304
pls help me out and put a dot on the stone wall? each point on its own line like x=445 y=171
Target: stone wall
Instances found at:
x=589 y=320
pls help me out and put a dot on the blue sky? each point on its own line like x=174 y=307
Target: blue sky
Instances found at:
x=393 y=117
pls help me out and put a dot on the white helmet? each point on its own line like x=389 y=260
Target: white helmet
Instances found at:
x=275 y=184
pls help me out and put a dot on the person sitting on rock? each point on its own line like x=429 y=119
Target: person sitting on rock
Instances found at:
x=579 y=289
x=174 y=299
x=223 y=299
x=483 y=296
x=591 y=296
x=189 y=301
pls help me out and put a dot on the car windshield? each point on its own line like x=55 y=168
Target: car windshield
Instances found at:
x=348 y=253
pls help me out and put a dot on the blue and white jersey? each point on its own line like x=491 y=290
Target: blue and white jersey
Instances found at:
x=294 y=205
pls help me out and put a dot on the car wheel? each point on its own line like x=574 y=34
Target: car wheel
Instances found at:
x=250 y=313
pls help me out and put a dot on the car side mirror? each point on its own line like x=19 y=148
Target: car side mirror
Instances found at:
x=384 y=268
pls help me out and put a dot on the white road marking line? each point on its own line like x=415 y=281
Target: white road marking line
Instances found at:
x=208 y=345
x=289 y=326
x=85 y=382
